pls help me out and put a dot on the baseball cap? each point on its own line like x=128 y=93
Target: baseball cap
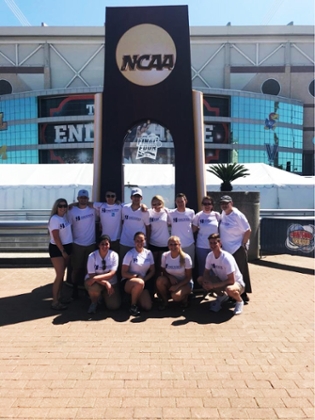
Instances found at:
x=136 y=191
x=83 y=193
x=225 y=199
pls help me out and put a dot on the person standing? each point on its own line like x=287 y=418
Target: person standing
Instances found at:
x=222 y=276
x=235 y=233
x=60 y=247
x=110 y=218
x=83 y=219
x=205 y=223
x=158 y=230
x=134 y=219
x=180 y=220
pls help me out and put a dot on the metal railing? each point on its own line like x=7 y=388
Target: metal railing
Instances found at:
x=26 y=230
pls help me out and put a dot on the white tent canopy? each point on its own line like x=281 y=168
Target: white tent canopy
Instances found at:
x=38 y=186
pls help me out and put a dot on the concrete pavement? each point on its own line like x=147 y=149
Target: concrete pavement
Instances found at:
x=178 y=364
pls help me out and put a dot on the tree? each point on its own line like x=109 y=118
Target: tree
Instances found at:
x=228 y=173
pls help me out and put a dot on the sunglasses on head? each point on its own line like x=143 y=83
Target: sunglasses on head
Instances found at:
x=110 y=195
x=62 y=206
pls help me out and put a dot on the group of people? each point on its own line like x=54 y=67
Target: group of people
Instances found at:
x=145 y=251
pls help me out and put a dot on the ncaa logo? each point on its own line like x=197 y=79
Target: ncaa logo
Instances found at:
x=146 y=55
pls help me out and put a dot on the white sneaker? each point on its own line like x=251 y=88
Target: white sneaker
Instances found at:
x=216 y=305
x=238 y=308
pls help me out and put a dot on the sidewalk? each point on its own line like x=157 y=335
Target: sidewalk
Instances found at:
x=178 y=364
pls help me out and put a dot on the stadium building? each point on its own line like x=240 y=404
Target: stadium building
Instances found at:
x=257 y=84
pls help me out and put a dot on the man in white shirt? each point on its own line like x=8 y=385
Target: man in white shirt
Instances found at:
x=235 y=232
x=110 y=218
x=134 y=219
x=82 y=218
x=222 y=276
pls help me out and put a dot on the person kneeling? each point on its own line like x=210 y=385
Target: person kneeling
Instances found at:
x=176 y=279
x=101 y=278
x=222 y=276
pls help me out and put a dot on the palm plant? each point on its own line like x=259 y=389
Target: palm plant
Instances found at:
x=228 y=173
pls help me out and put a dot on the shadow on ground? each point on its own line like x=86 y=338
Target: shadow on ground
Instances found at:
x=36 y=305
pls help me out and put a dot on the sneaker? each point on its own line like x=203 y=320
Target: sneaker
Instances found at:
x=134 y=310
x=216 y=305
x=58 y=306
x=92 y=308
x=238 y=308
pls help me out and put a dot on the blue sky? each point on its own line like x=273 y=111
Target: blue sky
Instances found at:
x=201 y=12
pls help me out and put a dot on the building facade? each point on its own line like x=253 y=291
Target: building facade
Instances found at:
x=257 y=84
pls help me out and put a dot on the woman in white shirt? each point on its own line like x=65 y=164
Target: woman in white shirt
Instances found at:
x=60 y=247
x=176 y=279
x=158 y=230
x=137 y=269
x=101 y=278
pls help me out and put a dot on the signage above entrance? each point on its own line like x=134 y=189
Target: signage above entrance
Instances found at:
x=146 y=55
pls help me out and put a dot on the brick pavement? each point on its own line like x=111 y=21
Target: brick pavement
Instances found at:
x=189 y=364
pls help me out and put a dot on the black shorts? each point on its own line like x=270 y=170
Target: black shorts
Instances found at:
x=54 y=251
x=154 y=248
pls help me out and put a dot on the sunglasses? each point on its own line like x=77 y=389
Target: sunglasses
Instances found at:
x=110 y=195
x=62 y=206
x=103 y=265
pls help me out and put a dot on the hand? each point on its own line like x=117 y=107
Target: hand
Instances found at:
x=109 y=288
x=173 y=288
x=173 y=280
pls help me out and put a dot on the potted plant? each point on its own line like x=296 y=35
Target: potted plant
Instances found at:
x=227 y=173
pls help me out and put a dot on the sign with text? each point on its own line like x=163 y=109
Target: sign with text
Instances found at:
x=148 y=77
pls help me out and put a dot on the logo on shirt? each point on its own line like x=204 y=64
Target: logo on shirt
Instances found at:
x=77 y=218
x=62 y=226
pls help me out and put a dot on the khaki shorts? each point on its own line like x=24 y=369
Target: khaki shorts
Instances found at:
x=236 y=286
x=80 y=255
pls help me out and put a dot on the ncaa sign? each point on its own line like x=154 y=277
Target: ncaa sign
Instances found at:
x=146 y=55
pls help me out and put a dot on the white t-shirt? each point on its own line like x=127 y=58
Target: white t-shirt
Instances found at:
x=133 y=221
x=110 y=216
x=138 y=262
x=64 y=226
x=172 y=265
x=232 y=229
x=159 y=228
x=181 y=223
x=223 y=266
x=95 y=264
x=83 y=225
x=207 y=223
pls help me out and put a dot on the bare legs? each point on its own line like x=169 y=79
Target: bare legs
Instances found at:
x=59 y=264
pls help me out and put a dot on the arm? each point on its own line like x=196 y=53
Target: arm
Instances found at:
x=102 y=279
x=221 y=284
x=186 y=280
x=125 y=273
x=172 y=279
x=55 y=234
x=246 y=237
x=150 y=273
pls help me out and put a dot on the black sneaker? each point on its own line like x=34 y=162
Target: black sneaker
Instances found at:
x=134 y=310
